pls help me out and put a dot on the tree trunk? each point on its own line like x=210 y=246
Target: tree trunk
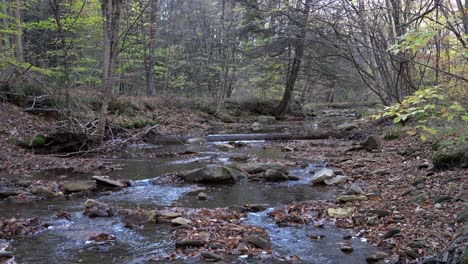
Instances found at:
x=55 y=6
x=19 y=33
x=284 y=107
x=464 y=11
x=224 y=59
x=151 y=82
x=111 y=13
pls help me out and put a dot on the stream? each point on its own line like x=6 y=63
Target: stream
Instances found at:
x=66 y=241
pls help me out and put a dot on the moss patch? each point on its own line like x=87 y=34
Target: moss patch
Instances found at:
x=451 y=159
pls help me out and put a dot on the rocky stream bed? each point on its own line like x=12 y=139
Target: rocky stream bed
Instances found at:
x=245 y=200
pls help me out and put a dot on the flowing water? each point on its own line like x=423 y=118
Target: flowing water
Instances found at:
x=66 y=241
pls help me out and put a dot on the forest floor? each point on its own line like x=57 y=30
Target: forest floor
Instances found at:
x=411 y=210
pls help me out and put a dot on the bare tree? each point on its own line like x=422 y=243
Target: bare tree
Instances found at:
x=111 y=14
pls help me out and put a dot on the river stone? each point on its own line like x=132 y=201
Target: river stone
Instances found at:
x=5 y=255
x=138 y=217
x=259 y=240
x=240 y=157
x=293 y=178
x=181 y=221
x=462 y=217
x=214 y=174
x=346 y=248
x=190 y=243
x=169 y=214
x=104 y=180
x=355 y=189
x=210 y=256
x=336 y=180
x=347 y=126
x=255 y=207
x=370 y=143
x=78 y=186
x=340 y=212
x=274 y=175
x=322 y=175
x=202 y=196
x=376 y=257
x=94 y=208
x=224 y=146
x=197 y=140
x=260 y=167
x=6 y=191
x=351 y=198
x=391 y=233
x=266 y=119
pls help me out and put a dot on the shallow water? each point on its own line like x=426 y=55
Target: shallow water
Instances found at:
x=67 y=241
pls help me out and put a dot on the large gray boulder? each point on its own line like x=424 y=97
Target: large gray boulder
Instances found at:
x=260 y=167
x=214 y=174
x=78 y=186
x=274 y=175
x=106 y=181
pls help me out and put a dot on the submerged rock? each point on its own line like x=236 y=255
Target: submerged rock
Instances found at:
x=340 y=212
x=214 y=174
x=274 y=175
x=322 y=175
x=106 y=181
x=78 y=186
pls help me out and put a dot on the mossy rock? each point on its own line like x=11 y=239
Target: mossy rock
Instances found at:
x=392 y=136
x=457 y=158
x=33 y=142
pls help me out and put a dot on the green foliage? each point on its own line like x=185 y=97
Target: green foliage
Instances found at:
x=427 y=108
